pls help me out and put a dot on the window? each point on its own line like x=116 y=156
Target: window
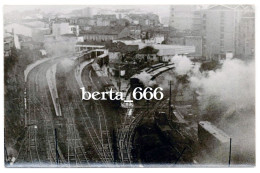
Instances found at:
x=222 y=14
x=222 y=36
x=221 y=44
x=222 y=28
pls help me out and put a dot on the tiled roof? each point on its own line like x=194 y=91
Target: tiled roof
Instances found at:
x=148 y=50
x=126 y=38
x=91 y=43
x=121 y=47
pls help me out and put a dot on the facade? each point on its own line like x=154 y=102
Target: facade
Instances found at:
x=246 y=38
x=36 y=33
x=199 y=22
x=181 y=16
x=80 y=46
x=135 y=31
x=8 y=44
x=195 y=41
x=156 y=34
x=104 y=20
x=105 y=33
x=225 y=27
x=19 y=29
x=143 y=19
x=59 y=29
x=74 y=29
x=148 y=54
x=220 y=30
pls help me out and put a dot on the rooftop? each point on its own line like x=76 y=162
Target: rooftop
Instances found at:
x=126 y=38
x=104 y=30
x=121 y=47
x=219 y=134
x=148 y=50
x=91 y=43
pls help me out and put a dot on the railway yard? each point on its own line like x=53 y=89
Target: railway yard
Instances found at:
x=62 y=130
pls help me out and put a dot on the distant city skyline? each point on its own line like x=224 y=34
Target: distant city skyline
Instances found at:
x=160 y=10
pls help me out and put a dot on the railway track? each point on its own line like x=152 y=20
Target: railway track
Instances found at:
x=100 y=136
x=38 y=106
x=127 y=131
x=76 y=154
x=96 y=138
x=105 y=135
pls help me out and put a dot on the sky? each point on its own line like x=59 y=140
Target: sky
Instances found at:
x=161 y=10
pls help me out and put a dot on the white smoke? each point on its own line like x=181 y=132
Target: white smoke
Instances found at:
x=66 y=65
x=146 y=78
x=60 y=46
x=230 y=91
x=233 y=84
x=182 y=64
x=227 y=98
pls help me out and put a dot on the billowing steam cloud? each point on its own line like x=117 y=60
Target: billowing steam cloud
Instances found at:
x=60 y=46
x=226 y=98
x=182 y=64
x=233 y=83
x=65 y=65
x=233 y=90
x=146 y=78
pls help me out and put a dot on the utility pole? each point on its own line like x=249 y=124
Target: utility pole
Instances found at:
x=119 y=81
x=229 y=159
x=56 y=147
x=170 y=98
x=25 y=104
x=6 y=154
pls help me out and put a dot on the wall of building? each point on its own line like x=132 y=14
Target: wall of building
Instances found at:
x=60 y=29
x=124 y=33
x=220 y=31
x=194 y=41
x=181 y=16
x=99 y=37
x=246 y=39
x=19 y=29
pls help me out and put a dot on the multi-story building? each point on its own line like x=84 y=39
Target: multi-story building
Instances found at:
x=181 y=17
x=245 y=47
x=149 y=19
x=104 y=20
x=34 y=31
x=194 y=41
x=199 y=22
x=59 y=29
x=222 y=29
x=105 y=33
x=8 y=44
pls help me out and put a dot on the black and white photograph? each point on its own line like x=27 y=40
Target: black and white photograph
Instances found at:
x=129 y=86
